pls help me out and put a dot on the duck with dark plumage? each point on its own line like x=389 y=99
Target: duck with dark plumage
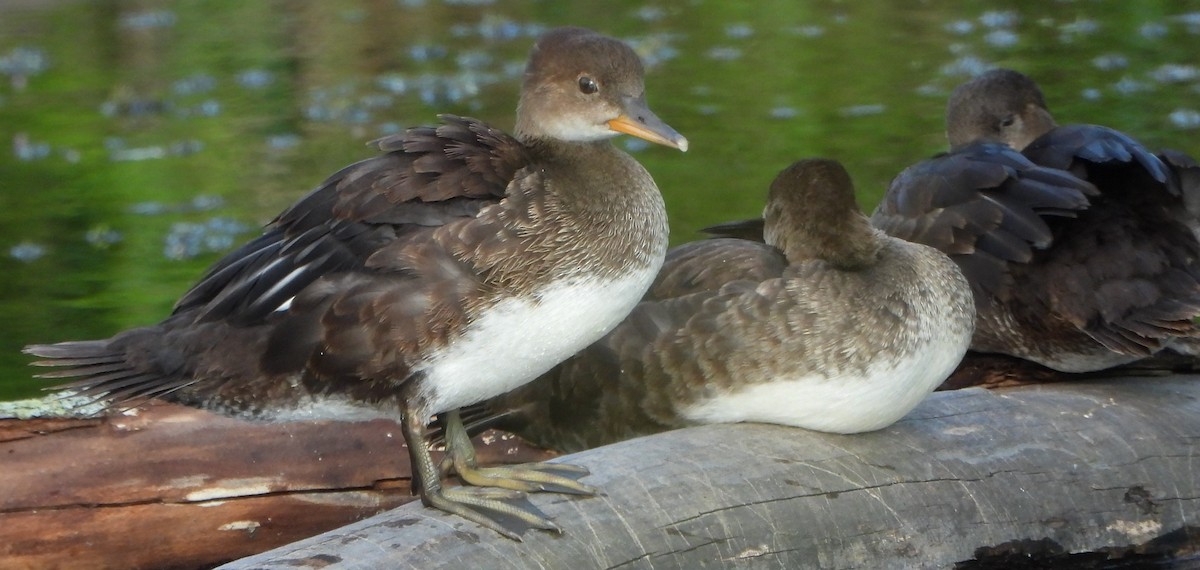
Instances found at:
x=1101 y=275
x=456 y=265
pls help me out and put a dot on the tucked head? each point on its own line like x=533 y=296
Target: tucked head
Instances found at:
x=581 y=86
x=811 y=214
x=1001 y=105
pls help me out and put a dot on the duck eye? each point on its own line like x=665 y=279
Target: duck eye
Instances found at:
x=588 y=85
x=1008 y=121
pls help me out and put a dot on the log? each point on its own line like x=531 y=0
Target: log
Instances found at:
x=1092 y=472
x=166 y=486
x=1002 y=371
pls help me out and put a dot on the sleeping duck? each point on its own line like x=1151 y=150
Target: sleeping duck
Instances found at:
x=829 y=325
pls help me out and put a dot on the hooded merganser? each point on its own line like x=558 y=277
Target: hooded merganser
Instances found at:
x=985 y=205
x=830 y=325
x=458 y=264
x=1117 y=281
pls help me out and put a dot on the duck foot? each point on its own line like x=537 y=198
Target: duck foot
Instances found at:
x=505 y=511
x=530 y=477
x=498 y=498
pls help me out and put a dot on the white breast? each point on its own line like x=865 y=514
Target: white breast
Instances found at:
x=852 y=399
x=521 y=338
x=851 y=403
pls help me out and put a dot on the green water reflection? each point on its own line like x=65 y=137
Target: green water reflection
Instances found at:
x=127 y=119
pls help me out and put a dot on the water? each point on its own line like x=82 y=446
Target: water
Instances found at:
x=140 y=140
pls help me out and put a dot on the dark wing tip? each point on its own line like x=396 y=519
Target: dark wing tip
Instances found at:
x=749 y=230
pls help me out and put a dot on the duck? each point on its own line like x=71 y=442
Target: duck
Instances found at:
x=1080 y=244
x=1119 y=280
x=830 y=325
x=457 y=264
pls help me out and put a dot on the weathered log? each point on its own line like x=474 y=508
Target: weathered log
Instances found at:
x=166 y=486
x=1105 y=467
x=1002 y=371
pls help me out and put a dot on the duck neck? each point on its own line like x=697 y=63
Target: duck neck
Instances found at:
x=846 y=242
x=602 y=193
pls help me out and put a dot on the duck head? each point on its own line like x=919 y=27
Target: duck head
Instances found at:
x=581 y=86
x=811 y=214
x=1001 y=105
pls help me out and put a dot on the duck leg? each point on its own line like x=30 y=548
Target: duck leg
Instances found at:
x=529 y=477
x=503 y=510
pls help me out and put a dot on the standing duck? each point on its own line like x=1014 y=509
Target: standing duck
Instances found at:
x=1115 y=282
x=830 y=325
x=458 y=264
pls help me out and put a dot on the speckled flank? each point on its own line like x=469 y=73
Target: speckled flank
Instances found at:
x=863 y=379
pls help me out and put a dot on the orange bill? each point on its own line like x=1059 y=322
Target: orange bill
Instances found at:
x=638 y=120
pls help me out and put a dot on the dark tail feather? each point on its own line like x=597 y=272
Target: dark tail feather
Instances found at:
x=78 y=362
x=82 y=349
x=146 y=388
x=479 y=418
x=101 y=372
x=104 y=384
x=81 y=370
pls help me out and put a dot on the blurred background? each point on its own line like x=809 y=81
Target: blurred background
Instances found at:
x=141 y=139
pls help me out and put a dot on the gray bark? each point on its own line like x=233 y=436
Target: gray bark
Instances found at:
x=1099 y=466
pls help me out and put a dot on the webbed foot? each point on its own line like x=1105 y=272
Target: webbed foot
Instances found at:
x=529 y=477
x=497 y=499
x=505 y=511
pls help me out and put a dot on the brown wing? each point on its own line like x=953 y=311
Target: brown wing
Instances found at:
x=1079 y=147
x=426 y=177
x=228 y=345
x=985 y=206
x=1127 y=271
x=708 y=265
